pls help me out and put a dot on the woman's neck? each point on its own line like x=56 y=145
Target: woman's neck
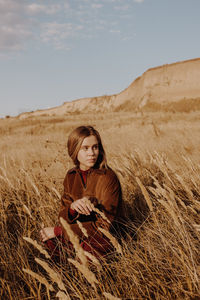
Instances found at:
x=84 y=170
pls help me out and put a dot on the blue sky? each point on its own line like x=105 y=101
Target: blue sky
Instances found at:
x=52 y=51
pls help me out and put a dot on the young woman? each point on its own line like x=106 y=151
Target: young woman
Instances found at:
x=91 y=179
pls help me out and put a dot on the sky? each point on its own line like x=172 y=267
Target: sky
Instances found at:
x=53 y=51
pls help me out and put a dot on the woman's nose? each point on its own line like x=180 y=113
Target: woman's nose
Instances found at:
x=90 y=151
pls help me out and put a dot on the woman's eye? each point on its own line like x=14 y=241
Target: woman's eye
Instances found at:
x=95 y=147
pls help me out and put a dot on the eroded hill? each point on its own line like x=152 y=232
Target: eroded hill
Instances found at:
x=170 y=87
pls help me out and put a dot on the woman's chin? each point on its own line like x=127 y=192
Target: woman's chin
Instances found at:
x=91 y=165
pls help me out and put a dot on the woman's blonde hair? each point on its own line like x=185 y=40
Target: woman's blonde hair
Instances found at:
x=75 y=141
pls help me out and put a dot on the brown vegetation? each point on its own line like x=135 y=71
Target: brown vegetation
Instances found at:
x=156 y=156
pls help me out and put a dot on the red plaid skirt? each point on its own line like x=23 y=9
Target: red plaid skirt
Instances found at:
x=97 y=245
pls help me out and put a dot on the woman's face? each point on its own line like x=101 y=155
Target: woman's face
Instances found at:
x=88 y=153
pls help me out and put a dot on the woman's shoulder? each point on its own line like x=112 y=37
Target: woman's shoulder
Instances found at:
x=110 y=175
x=110 y=172
x=70 y=174
x=106 y=172
x=72 y=170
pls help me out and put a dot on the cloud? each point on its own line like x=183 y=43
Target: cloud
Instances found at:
x=124 y=7
x=14 y=26
x=113 y=1
x=13 y=38
x=58 y=33
x=58 y=22
x=35 y=8
x=139 y=1
x=114 y=31
x=97 y=5
x=19 y=22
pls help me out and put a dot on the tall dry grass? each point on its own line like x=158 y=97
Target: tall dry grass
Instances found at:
x=158 y=259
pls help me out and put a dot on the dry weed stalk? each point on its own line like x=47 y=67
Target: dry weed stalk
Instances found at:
x=112 y=239
x=55 y=277
x=26 y=210
x=56 y=192
x=85 y=271
x=62 y=296
x=40 y=279
x=197 y=227
x=164 y=166
x=75 y=241
x=88 y=254
x=31 y=182
x=6 y=180
x=83 y=229
x=188 y=191
x=170 y=209
x=96 y=210
x=101 y=214
x=37 y=246
x=145 y=193
x=93 y=259
x=110 y=297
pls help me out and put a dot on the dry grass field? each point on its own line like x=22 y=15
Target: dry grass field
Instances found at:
x=156 y=157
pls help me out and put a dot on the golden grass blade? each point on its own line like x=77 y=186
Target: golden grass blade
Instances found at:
x=192 y=210
x=31 y=182
x=55 y=277
x=56 y=192
x=75 y=241
x=170 y=211
x=62 y=296
x=93 y=259
x=7 y=180
x=26 y=210
x=110 y=297
x=197 y=227
x=85 y=271
x=112 y=239
x=97 y=210
x=40 y=279
x=83 y=229
x=188 y=191
x=37 y=246
x=160 y=191
x=101 y=214
x=145 y=193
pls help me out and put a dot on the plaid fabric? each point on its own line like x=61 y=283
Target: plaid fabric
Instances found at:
x=97 y=245
x=57 y=245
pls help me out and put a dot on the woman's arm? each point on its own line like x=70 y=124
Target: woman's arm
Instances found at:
x=70 y=209
x=66 y=200
x=111 y=199
x=82 y=206
x=47 y=233
x=66 y=211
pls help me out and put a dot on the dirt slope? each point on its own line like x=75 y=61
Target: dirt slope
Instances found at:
x=162 y=86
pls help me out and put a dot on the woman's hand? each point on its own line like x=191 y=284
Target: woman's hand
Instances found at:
x=82 y=206
x=47 y=233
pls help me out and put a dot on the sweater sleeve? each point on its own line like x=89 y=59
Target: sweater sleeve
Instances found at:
x=110 y=201
x=58 y=230
x=66 y=212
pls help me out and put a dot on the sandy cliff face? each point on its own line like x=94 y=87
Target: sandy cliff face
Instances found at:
x=162 y=85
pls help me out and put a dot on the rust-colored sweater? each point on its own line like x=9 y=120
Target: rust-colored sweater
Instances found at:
x=102 y=187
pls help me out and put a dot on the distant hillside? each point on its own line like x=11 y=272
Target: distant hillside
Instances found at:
x=172 y=87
